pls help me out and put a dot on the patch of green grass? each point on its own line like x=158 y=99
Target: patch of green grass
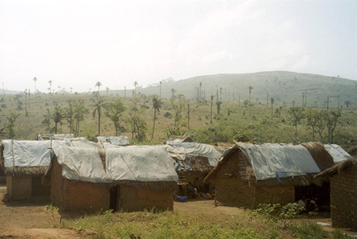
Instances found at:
x=308 y=231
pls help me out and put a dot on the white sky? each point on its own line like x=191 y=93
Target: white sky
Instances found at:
x=77 y=43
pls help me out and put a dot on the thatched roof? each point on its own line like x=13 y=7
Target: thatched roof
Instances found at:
x=28 y=171
x=222 y=147
x=318 y=152
x=338 y=168
x=352 y=151
x=197 y=164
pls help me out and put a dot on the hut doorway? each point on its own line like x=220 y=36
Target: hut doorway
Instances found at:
x=114 y=191
x=319 y=193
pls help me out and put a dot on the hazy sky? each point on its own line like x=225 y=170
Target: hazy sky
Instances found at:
x=77 y=43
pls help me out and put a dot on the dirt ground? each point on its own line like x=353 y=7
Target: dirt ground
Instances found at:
x=30 y=220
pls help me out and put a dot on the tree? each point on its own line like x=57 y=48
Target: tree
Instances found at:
x=331 y=122
x=272 y=106
x=98 y=84
x=296 y=114
x=156 y=104
x=97 y=103
x=58 y=115
x=313 y=118
x=173 y=91
x=177 y=106
x=212 y=96
x=250 y=92
x=79 y=112
x=50 y=82
x=135 y=85
x=200 y=92
x=69 y=113
x=218 y=103
x=35 y=79
x=107 y=90
x=347 y=103
x=47 y=120
x=138 y=125
x=11 y=124
x=114 y=111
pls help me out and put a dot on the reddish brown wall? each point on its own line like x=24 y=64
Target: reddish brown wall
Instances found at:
x=344 y=199
x=235 y=192
x=274 y=195
x=75 y=195
x=19 y=187
x=137 y=197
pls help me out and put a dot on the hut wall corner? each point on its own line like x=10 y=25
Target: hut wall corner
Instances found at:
x=343 y=199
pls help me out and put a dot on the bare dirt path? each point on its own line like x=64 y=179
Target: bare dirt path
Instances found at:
x=30 y=220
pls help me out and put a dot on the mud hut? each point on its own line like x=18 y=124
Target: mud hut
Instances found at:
x=129 y=178
x=325 y=157
x=343 y=179
x=25 y=163
x=252 y=174
x=193 y=162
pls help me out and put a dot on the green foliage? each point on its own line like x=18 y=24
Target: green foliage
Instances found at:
x=277 y=212
x=11 y=124
x=308 y=230
x=50 y=209
x=114 y=111
x=337 y=234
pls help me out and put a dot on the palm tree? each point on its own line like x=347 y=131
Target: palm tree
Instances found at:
x=135 y=85
x=50 y=82
x=35 y=79
x=347 y=103
x=98 y=103
x=200 y=92
x=250 y=93
x=156 y=104
x=98 y=84
x=173 y=92
x=58 y=115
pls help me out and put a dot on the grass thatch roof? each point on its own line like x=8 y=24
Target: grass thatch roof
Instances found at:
x=338 y=168
x=198 y=164
x=26 y=171
x=181 y=139
x=222 y=147
x=318 y=152
x=353 y=151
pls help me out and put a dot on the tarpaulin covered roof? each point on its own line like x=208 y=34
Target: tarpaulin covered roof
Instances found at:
x=134 y=163
x=116 y=140
x=196 y=149
x=278 y=160
x=23 y=153
x=337 y=153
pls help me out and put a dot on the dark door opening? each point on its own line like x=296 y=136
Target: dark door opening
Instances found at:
x=114 y=198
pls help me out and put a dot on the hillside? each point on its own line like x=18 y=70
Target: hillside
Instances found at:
x=283 y=86
x=257 y=122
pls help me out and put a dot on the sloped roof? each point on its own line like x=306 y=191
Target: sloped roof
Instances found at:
x=183 y=150
x=279 y=160
x=132 y=163
x=338 y=168
x=338 y=154
x=272 y=162
x=26 y=153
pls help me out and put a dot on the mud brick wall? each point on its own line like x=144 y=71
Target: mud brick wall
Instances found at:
x=344 y=199
x=19 y=187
